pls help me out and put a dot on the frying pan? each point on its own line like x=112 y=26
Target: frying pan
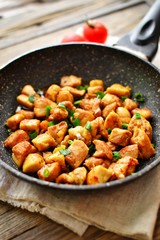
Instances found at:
x=45 y=66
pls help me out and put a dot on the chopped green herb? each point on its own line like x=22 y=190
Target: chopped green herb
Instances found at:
x=9 y=131
x=68 y=123
x=123 y=98
x=88 y=126
x=52 y=123
x=77 y=102
x=138 y=116
x=61 y=105
x=46 y=172
x=70 y=112
x=109 y=130
x=153 y=145
x=124 y=125
x=85 y=87
x=116 y=155
x=100 y=95
x=65 y=152
x=31 y=98
x=76 y=122
x=32 y=134
x=139 y=97
x=48 y=109
x=70 y=141
x=91 y=149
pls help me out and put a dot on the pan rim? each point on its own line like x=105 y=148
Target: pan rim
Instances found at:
x=52 y=185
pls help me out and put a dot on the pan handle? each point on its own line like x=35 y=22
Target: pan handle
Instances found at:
x=144 y=38
x=148 y=31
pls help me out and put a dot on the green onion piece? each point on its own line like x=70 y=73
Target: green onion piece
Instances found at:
x=61 y=105
x=65 y=152
x=31 y=98
x=138 y=116
x=123 y=98
x=100 y=95
x=52 y=123
x=68 y=123
x=70 y=141
x=76 y=122
x=124 y=125
x=77 y=102
x=88 y=126
x=9 y=131
x=91 y=149
x=85 y=87
x=70 y=112
x=139 y=97
x=32 y=134
x=116 y=155
x=109 y=130
x=153 y=145
x=48 y=109
x=46 y=172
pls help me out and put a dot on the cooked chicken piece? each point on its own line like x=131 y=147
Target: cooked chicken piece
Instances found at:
x=130 y=104
x=30 y=125
x=130 y=150
x=124 y=114
x=97 y=128
x=120 y=136
x=112 y=146
x=102 y=150
x=44 y=141
x=110 y=98
x=91 y=162
x=145 y=112
x=58 y=131
x=14 y=121
x=49 y=172
x=79 y=152
x=64 y=95
x=123 y=167
x=58 y=114
x=145 y=148
x=98 y=174
x=28 y=90
x=43 y=126
x=52 y=92
x=69 y=105
x=80 y=133
x=55 y=157
x=32 y=163
x=27 y=114
x=16 y=137
x=113 y=120
x=77 y=176
x=109 y=108
x=71 y=81
x=65 y=141
x=24 y=101
x=20 y=152
x=119 y=90
x=40 y=105
x=74 y=91
x=96 y=82
x=141 y=123
x=83 y=115
x=95 y=89
x=92 y=105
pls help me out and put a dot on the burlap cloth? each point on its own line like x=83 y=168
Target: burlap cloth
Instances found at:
x=129 y=210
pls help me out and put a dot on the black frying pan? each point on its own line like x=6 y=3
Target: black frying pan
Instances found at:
x=90 y=61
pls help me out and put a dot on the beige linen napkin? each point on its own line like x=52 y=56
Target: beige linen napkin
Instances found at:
x=129 y=210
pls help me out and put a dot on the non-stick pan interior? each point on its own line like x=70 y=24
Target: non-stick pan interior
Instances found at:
x=89 y=61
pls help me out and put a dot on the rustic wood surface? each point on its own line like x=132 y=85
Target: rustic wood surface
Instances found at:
x=20 y=224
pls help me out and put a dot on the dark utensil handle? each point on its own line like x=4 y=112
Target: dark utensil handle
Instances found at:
x=148 y=31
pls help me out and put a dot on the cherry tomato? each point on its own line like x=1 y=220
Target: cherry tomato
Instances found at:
x=73 y=37
x=95 y=31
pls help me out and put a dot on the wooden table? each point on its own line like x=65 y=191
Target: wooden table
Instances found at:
x=20 y=224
